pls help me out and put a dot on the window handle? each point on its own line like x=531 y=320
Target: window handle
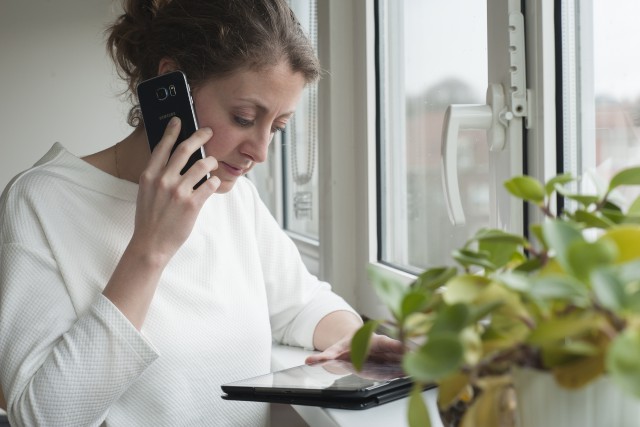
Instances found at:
x=492 y=117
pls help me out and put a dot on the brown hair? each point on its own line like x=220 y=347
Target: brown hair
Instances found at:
x=206 y=39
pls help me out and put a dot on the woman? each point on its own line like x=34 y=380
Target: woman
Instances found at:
x=127 y=297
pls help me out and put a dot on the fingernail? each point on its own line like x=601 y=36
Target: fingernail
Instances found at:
x=216 y=181
x=207 y=129
x=174 y=121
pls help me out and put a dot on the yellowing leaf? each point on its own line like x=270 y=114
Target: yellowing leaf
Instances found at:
x=451 y=388
x=472 y=345
x=464 y=289
x=553 y=330
x=491 y=408
x=578 y=373
x=626 y=238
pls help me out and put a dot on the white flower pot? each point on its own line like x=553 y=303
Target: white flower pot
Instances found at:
x=543 y=403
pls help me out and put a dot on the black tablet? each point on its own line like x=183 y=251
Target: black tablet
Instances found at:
x=331 y=384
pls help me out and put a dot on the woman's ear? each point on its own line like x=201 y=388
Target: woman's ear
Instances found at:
x=166 y=65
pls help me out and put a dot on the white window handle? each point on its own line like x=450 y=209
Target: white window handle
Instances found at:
x=492 y=117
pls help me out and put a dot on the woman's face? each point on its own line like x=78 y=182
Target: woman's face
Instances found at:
x=245 y=110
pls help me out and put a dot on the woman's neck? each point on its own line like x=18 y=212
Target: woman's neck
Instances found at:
x=126 y=159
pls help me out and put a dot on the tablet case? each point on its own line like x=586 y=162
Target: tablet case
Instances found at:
x=329 y=384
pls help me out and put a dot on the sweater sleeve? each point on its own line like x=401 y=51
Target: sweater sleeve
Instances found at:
x=298 y=300
x=58 y=366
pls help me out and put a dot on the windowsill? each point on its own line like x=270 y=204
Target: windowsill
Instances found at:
x=390 y=414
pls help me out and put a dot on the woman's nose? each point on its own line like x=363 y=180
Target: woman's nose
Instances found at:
x=258 y=147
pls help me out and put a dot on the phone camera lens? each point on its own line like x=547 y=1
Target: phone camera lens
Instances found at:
x=161 y=93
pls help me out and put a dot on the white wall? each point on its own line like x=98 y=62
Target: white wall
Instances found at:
x=56 y=81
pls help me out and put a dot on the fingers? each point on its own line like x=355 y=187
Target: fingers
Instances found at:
x=199 y=170
x=163 y=160
x=162 y=151
x=383 y=349
x=186 y=148
x=329 y=354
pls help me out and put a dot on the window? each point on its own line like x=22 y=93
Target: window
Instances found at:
x=600 y=89
x=393 y=69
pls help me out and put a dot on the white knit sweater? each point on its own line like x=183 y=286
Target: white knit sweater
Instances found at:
x=68 y=357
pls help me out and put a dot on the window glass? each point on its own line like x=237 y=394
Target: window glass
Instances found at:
x=430 y=56
x=301 y=145
x=288 y=181
x=601 y=89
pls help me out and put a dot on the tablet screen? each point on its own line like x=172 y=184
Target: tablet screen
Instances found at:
x=331 y=375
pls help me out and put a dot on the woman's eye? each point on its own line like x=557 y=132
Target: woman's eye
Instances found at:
x=242 y=121
x=277 y=129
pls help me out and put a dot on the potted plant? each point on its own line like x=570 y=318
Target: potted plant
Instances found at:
x=561 y=304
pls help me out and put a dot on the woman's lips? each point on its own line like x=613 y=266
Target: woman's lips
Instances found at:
x=232 y=169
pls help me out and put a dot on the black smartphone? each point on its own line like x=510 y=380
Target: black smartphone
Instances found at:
x=163 y=97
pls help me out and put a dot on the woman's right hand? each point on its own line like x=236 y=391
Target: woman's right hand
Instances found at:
x=167 y=205
x=166 y=211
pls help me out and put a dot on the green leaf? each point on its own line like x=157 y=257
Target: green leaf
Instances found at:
x=608 y=289
x=433 y=278
x=584 y=256
x=559 y=287
x=390 y=291
x=634 y=209
x=414 y=302
x=418 y=414
x=360 y=343
x=529 y=265
x=629 y=271
x=480 y=311
x=500 y=253
x=451 y=318
x=439 y=357
x=499 y=236
x=623 y=363
x=628 y=219
x=516 y=281
x=556 y=181
x=526 y=188
x=630 y=176
x=616 y=216
x=559 y=235
x=584 y=200
x=611 y=206
x=632 y=302
x=536 y=230
x=469 y=258
x=591 y=220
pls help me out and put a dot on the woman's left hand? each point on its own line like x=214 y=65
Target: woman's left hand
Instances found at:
x=382 y=349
